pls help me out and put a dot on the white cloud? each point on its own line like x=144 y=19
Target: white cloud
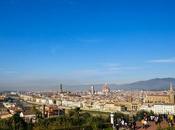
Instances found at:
x=112 y=67
x=7 y=72
x=107 y=69
x=111 y=64
x=10 y=72
x=119 y=67
x=168 y=60
x=86 y=72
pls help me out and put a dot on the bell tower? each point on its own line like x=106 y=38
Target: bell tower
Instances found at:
x=171 y=94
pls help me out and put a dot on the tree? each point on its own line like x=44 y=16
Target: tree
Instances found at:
x=37 y=113
x=4 y=124
x=77 y=111
x=140 y=114
x=97 y=123
x=17 y=122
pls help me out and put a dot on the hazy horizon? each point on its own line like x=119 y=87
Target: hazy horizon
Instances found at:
x=147 y=84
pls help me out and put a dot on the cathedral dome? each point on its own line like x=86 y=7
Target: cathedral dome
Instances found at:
x=106 y=89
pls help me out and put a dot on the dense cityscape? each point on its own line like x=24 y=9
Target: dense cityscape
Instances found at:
x=31 y=106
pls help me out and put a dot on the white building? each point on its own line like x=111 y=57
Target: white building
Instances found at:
x=71 y=104
x=160 y=108
x=164 y=109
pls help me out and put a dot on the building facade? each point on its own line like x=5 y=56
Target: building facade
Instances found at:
x=168 y=98
x=159 y=108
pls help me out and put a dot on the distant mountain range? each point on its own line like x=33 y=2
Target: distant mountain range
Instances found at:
x=152 y=84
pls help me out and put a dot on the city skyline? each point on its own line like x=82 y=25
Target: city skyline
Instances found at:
x=85 y=42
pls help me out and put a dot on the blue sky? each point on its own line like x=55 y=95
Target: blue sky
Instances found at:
x=45 y=42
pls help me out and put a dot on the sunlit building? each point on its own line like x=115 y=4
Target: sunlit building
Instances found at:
x=163 y=98
x=106 y=89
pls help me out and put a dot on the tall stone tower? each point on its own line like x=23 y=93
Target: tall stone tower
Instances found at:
x=61 y=88
x=92 y=90
x=171 y=94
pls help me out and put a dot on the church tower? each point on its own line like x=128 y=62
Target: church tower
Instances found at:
x=171 y=94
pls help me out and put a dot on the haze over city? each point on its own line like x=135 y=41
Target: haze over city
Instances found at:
x=74 y=42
